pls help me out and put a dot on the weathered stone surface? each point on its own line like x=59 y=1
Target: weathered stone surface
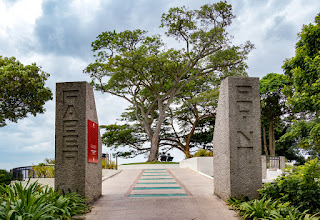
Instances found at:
x=237 y=139
x=75 y=105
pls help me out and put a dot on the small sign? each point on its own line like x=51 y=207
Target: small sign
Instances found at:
x=93 y=141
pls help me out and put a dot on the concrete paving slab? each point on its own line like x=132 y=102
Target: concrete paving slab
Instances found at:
x=202 y=205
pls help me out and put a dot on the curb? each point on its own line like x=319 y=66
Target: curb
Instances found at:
x=107 y=177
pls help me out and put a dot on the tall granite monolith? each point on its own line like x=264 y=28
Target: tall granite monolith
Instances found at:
x=237 y=139
x=78 y=144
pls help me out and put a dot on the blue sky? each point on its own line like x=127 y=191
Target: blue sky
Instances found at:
x=57 y=36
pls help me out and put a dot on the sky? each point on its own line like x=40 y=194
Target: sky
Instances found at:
x=57 y=36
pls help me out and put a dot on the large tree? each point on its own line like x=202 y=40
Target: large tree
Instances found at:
x=189 y=122
x=272 y=107
x=303 y=72
x=22 y=90
x=140 y=69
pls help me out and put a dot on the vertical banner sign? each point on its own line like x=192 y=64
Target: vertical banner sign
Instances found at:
x=93 y=135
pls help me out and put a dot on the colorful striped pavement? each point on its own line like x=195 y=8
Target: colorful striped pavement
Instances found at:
x=157 y=183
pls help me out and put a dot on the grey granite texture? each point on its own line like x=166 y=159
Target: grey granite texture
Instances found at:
x=237 y=139
x=75 y=105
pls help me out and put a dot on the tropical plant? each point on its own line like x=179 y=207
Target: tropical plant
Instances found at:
x=301 y=187
x=268 y=209
x=34 y=201
x=45 y=170
x=294 y=195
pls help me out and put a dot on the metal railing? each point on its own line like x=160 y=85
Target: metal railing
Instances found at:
x=273 y=162
x=22 y=173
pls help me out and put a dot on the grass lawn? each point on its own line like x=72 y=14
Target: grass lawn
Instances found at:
x=155 y=162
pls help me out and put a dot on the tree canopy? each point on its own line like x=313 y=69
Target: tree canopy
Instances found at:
x=303 y=70
x=303 y=73
x=22 y=90
x=143 y=71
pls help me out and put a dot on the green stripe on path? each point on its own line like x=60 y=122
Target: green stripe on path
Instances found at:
x=156 y=195
x=150 y=188
x=155 y=169
x=157 y=175
x=157 y=172
x=158 y=179
x=160 y=183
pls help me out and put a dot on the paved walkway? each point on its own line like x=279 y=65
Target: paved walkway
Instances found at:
x=159 y=193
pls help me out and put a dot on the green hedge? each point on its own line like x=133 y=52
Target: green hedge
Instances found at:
x=294 y=195
x=5 y=177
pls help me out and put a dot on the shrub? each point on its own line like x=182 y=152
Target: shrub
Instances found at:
x=268 y=209
x=44 y=170
x=301 y=187
x=203 y=153
x=110 y=164
x=291 y=196
x=33 y=201
x=5 y=177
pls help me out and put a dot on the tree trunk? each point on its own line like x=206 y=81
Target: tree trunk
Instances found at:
x=274 y=142
x=187 y=151
x=265 y=141
x=154 y=150
x=271 y=141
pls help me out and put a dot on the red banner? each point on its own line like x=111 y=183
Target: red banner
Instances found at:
x=93 y=137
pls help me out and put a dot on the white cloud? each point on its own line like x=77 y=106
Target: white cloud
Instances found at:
x=38 y=148
x=86 y=9
x=16 y=33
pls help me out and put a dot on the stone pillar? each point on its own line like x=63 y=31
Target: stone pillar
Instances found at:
x=78 y=163
x=282 y=162
x=264 y=166
x=237 y=139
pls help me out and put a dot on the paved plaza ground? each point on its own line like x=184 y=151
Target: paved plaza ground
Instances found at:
x=157 y=192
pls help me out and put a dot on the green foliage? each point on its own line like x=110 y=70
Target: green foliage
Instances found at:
x=116 y=136
x=143 y=71
x=22 y=90
x=268 y=209
x=33 y=201
x=303 y=73
x=42 y=170
x=305 y=134
x=203 y=153
x=301 y=187
x=272 y=106
x=291 y=196
x=45 y=170
x=5 y=177
x=303 y=70
x=110 y=164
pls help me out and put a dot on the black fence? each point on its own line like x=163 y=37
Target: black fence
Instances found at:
x=22 y=173
x=273 y=162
